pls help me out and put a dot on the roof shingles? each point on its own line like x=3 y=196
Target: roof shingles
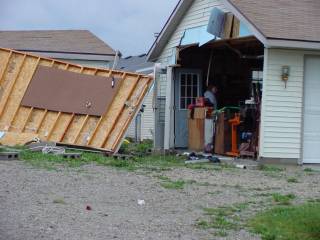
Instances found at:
x=283 y=19
x=62 y=41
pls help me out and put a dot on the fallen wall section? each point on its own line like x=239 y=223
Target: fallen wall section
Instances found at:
x=102 y=129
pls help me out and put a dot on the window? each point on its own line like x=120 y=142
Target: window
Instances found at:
x=189 y=89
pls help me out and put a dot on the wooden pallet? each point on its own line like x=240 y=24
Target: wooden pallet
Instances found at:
x=105 y=132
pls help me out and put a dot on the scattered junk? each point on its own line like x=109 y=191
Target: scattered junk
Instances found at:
x=52 y=148
x=194 y=158
x=67 y=104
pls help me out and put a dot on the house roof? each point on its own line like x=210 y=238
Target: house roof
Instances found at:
x=56 y=41
x=276 y=23
x=283 y=19
x=136 y=64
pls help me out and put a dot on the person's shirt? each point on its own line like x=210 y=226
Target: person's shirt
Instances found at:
x=212 y=98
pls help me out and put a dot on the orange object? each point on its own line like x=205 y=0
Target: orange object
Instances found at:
x=235 y=122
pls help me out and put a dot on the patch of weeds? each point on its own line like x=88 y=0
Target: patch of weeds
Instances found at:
x=169 y=184
x=292 y=180
x=163 y=178
x=59 y=201
x=270 y=168
x=283 y=199
x=222 y=218
x=308 y=170
x=215 y=193
x=317 y=200
x=288 y=223
x=204 y=184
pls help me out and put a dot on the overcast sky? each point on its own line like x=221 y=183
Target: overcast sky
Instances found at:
x=126 y=25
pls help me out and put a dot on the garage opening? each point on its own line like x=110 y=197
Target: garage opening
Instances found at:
x=235 y=68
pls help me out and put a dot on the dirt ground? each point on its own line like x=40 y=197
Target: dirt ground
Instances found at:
x=42 y=204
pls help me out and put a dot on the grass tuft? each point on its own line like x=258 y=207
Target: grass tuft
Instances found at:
x=169 y=184
x=270 y=168
x=283 y=199
x=292 y=180
x=288 y=223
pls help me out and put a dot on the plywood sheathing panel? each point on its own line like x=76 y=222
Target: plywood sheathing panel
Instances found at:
x=70 y=92
x=107 y=131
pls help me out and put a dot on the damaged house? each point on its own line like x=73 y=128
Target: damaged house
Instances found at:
x=264 y=59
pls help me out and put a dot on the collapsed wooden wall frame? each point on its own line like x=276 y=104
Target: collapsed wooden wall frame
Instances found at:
x=105 y=132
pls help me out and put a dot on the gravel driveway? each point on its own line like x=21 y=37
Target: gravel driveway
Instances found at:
x=95 y=202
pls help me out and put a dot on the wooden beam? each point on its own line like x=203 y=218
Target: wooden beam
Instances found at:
x=67 y=127
x=44 y=114
x=27 y=119
x=10 y=88
x=5 y=68
x=80 y=129
x=53 y=125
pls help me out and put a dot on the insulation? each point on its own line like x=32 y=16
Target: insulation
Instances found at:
x=68 y=126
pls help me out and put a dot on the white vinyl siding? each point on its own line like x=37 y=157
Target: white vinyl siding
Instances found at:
x=147 y=119
x=197 y=15
x=282 y=107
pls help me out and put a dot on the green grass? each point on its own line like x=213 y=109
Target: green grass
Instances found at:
x=292 y=180
x=149 y=163
x=288 y=223
x=271 y=168
x=283 y=199
x=308 y=170
x=222 y=218
x=169 y=184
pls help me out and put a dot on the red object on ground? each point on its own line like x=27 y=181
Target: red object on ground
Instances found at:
x=88 y=208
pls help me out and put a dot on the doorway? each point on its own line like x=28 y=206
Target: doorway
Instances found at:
x=187 y=89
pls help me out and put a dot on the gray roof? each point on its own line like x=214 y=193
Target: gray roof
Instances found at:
x=283 y=19
x=136 y=64
x=55 y=41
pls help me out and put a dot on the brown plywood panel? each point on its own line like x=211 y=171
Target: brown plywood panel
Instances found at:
x=69 y=92
x=103 y=129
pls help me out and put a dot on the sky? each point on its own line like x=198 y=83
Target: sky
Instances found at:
x=126 y=25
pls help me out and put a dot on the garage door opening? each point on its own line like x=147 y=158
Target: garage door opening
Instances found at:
x=235 y=67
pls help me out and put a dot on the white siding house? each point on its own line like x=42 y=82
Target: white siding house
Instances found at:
x=290 y=116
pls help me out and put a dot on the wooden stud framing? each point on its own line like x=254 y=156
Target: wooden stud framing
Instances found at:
x=44 y=114
x=53 y=125
x=101 y=118
x=118 y=116
x=5 y=68
x=128 y=120
x=27 y=119
x=19 y=105
x=80 y=129
x=9 y=91
x=67 y=127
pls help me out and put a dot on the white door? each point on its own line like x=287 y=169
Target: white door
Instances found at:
x=311 y=130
